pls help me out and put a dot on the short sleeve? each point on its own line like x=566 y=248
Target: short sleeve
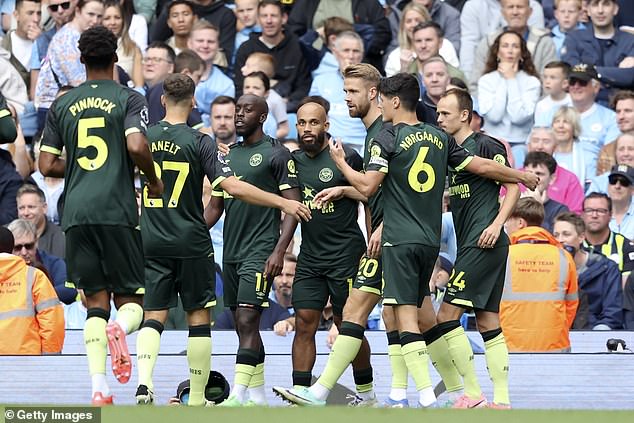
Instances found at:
x=381 y=150
x=457 y=157
x=353 y=159
x=283 y=168
x=137 y=115
x=493 y=149
x=51 y=138
x=213 y=161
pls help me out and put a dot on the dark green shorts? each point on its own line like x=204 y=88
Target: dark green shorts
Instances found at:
x=312 y=286
x=244 y=283
x=407 y=269
x=477 y=280
x=370 y=276
x=193 y=278
x=106 y=257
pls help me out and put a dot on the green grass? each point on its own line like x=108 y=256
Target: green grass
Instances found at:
x=164 y=414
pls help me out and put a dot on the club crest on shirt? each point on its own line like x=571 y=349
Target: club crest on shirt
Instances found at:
x=291 y=166
x=500 y=159
x=375 y=151
x=326 y=174
x=255 y=160
x=221 y=158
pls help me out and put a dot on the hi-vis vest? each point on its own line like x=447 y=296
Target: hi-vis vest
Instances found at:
x=612 y=249
x=31 y=316
x=540 y=296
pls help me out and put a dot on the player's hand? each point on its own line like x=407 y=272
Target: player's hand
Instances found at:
x=223 y=148
x=332 y=335
x=374 y=243
x=298 y=210
x=274 y=264
x=155 y=190
x=530 y=180
x=282 y=328
x=490 y=235
x=328 y=195
x=336 y=151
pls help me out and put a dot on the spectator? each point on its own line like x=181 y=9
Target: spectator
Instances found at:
x=565 y=187
x=348 y=50
x=436 y=80
x=555 y=84
x=446 y=16
x=598 y=123
x=10 y=179
x=538 y=268
x=276 y=123
x=624 y=156
x=567 y=13
x=623 y=104
x=158 y=62
x=600 y=290
x=12 y=86
x=325 y=58
x=292 y=72
x=212 y=11
x=32 y=206
x=543 y=165
x=129 y=54
x=367 y=15
x=620 y=188
x=473 y=28
x=33 y=322
x=53 y=189
x=223 y=127
x=137 y=24
x=403 y=58
x=26 y=246
x=508 y=92
x=180 y=19
x=246 y=12
x=605 y=46
x=576 y=156
x=8 y=130
x=538 y=40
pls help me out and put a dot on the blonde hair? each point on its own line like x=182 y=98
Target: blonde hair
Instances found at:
x=364 y=71
x=577 y=3
x=570 y=115
x=403 y=39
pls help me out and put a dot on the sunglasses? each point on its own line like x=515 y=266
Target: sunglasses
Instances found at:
x=619 y=180
x=55 y=7
x=28 y=246
x=580 y=82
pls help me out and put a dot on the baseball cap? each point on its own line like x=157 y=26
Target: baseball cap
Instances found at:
x=583 y=72
x=623 y=170
x=217 y=389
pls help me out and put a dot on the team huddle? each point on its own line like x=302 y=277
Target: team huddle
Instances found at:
x=400 y=180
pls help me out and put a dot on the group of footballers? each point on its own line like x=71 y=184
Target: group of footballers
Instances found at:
x=401 y=179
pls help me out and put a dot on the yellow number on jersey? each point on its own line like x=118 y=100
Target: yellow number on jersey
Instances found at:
x=84 y=141
x=368 y=267
x=457 y=280
x=183 y=170
x=416 y=169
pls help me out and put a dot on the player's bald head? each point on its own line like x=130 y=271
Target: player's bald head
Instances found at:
x=258 y=103
x=312 y=110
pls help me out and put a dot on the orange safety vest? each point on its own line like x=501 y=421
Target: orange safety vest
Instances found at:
x=31 y=316
x=540 y=296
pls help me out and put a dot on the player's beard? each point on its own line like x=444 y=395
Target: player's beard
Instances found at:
x=361 y=110
x=315 y=146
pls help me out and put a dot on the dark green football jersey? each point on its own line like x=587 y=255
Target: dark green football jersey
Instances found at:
x=415 y=159
x=332 y=237
x=475 y=200
x=374 y=202
x=92 y=122
x=251 y=232
x=174 y=226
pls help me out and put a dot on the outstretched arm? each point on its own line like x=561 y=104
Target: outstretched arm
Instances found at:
x=493 y=170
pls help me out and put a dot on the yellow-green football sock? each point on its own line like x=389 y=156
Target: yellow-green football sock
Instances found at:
x=130 y=316
x=344 y=350
x=439 y=353
x=199 y=361
x=148 y=344
x=462 y=356
x=416 y=358
x=96 y=341
x=497 y=358
x=397 y=363
x=246 y=361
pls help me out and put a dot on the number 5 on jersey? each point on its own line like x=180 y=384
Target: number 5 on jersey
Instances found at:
x=183 y=170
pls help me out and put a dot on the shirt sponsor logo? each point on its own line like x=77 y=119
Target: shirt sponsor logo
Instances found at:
x=326 y=174
x=375 y=151
x=255 y=160
x=380 y=161
x=221 y=158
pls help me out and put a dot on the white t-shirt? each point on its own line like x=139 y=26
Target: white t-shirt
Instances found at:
x=22 y=50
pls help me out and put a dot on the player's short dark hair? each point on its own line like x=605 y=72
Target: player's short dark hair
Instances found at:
x=6 y=240
x=574 y=219
x=98 y=47
x=621 y=95
x=600 y=195
x=18 y=3
x=529 y=209
x=558 y=64
x=262 y=77
x=223 y=99
x=404 y=86
x=465 y=102
x=174 y=3
x=188 y=59
x=429 y=24
x=458 y=82
x=275 y=3
x=536 y=158
x=171 y=55
x=315 y=99
x=178 y=87
x=31 y=189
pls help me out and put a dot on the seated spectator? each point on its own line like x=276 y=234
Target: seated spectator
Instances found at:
x=508 y=92
x=567 y=13
x=473 y=28
x=137 y=22
x=12 y=87
x=427 y=39
x=605 y=46
x=565 y=186
x=348 y=50
x=246 y=12
x=435 y=75
x=538 y=267
x=158 y=62
x=555 y=84
x=403 y=58
x=446 y=16
x=543 y=165
x=128 y=53
x=212 y=11
x=600 y=289
x=624 y=156
x=204 y=41
x=325 y=58
x=538 y=40
x=26 y=246
x=276 y=123
x=598 y=123
x=292 y=71
x=32 y=206
x=576 y=156
x=223 y=127
x=180 y=19
x=33 y=322
x=623 y=105
x=368 y=17
x=621 y=181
